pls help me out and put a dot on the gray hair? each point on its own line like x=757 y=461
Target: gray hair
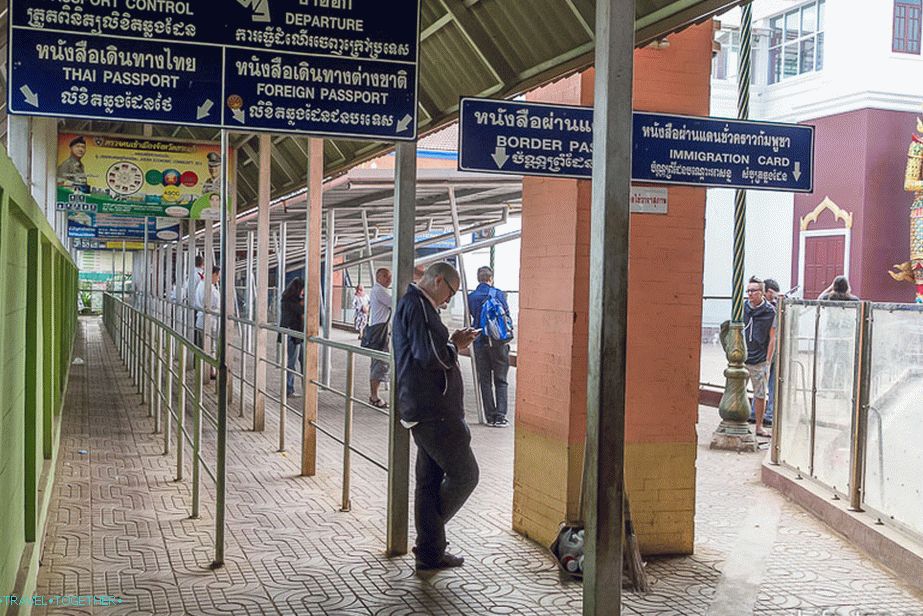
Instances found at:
x=485 y=274
x=440 y=268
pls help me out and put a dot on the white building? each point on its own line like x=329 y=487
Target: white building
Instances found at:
x=837 y=64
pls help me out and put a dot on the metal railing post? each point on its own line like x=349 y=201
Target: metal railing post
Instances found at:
x=135 y=340
x=861 y=385
x=158 y=399
x=283 y=394
x=782 y=350
x=149 y=358
x=813 y=426
x=244 y=349
x=348 y=429
x=168 y=408
x=196 y=435
x=181 y=413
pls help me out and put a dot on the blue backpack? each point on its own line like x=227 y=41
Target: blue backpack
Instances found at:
x=495 y=323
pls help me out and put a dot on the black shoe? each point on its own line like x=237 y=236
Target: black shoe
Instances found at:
x=446 y=561
x=767 y=423
x=751 y=420
x=503 y=422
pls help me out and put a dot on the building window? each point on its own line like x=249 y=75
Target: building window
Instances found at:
x=906 y=37
x=796 y=41
x=724 y=65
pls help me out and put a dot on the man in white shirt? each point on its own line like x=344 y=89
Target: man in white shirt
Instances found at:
x=200 y=307
x=192 y=285
x=379 y=312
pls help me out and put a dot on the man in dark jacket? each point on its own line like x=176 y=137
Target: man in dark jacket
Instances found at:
x=760 y=336
x=431 y=401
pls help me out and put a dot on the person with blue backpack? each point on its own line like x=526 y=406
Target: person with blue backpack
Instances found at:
x=491 y=314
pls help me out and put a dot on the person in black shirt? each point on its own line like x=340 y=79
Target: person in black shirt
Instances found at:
x=292 y=317
x=838 y=291
x=431 y=393
x=760 y=336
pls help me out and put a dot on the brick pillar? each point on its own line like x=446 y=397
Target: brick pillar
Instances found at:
x=664 y=314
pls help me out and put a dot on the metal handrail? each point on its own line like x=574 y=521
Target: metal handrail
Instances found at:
x=142 y=340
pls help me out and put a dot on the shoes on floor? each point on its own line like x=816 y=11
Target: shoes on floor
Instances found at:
x=502 y=422
x=378 y=403
x=446 y=561
x=767 y=423
x=751 y=420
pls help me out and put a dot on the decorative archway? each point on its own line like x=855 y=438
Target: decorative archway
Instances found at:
x=823 y=253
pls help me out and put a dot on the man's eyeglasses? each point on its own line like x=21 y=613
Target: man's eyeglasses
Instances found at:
x=754 y=290
x=454 y=291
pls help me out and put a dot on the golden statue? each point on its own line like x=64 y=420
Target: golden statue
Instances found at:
x=912 y=271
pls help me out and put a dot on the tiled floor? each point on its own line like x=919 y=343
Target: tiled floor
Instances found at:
x=119 y=526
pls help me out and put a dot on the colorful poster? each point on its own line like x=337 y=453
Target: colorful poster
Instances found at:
x=138 y=176
x=92 y=225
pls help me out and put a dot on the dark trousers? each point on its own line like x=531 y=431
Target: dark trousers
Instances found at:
x=447 y=473
x=493 y=364
x=294 y=358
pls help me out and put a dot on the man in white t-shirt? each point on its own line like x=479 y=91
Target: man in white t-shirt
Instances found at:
x=192 y=284
x=200 y=307
x=379 y=312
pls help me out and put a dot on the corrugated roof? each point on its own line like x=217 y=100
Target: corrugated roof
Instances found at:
x=493 y=48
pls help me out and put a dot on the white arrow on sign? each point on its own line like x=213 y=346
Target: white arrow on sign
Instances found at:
x=239 y=115
x=500 y=157
x=797 y=171
x=204 y=109
x=31 y=97
x=404 y=122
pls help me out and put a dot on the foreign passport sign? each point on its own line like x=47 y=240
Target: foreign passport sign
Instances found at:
x=344 y=68
x=557 y=141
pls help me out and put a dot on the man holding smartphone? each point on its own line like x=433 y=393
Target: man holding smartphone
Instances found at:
x=431 y=401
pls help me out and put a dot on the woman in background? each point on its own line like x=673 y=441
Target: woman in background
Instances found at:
x=293 y=318
x=360 y=309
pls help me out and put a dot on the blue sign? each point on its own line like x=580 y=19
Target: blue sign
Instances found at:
x=90 y=225
x=525 y=138
x=670 y=149
x=343 y=68
x=557 y=141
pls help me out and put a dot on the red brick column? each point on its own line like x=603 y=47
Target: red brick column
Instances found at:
x=665 y=287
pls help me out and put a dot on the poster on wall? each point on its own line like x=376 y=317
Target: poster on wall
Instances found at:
x=138 y=176
x=92 y=225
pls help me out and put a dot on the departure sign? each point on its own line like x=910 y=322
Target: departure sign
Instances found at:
x=345 y=68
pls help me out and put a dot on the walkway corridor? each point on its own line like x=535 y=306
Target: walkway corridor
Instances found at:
x=119 y=526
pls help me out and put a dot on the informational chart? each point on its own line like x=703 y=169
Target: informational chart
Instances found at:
x=89 y=225
x=138 y=176
x=345 y=68
x=513 y=137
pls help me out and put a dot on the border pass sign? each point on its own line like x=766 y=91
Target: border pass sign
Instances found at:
x=341 y=68
x=512 y=137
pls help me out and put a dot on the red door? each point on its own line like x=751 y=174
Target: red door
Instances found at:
x=823 y=261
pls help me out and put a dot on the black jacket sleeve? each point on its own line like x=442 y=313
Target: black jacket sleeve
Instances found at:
x=429 y=344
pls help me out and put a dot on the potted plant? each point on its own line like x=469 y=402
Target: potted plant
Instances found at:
x=86 y=300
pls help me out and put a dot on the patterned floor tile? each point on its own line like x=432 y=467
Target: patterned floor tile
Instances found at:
x=119 y=524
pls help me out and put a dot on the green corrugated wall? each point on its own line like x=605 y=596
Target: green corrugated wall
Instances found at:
x=38 y=283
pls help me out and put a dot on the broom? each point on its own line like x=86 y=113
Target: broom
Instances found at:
x=632 y=552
